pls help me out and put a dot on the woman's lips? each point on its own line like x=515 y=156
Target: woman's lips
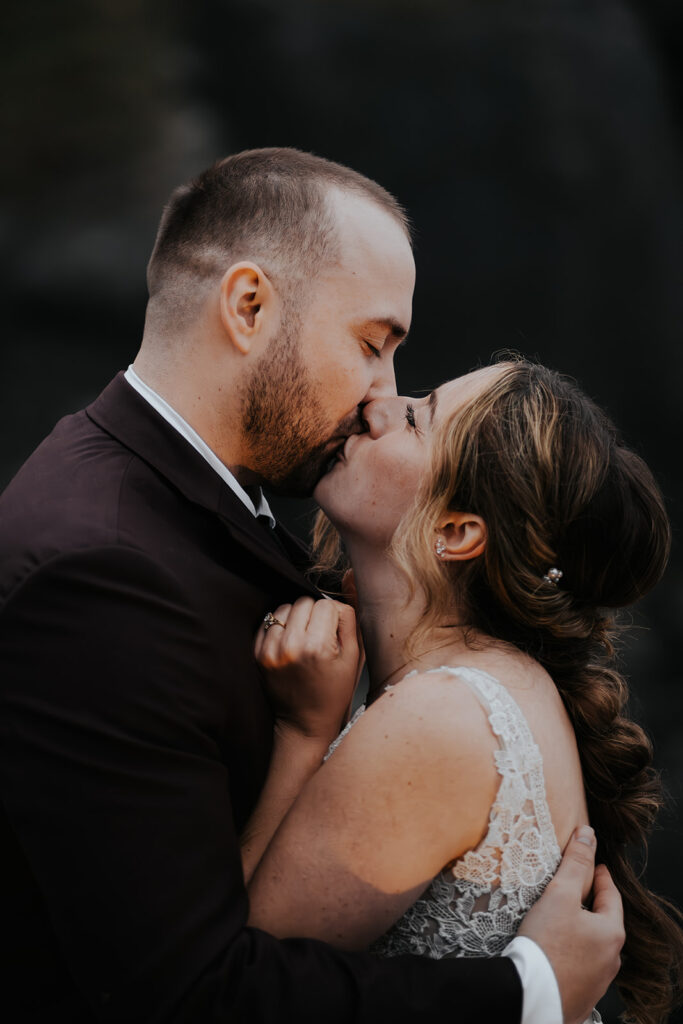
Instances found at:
x=351 y=440
x=342 y=453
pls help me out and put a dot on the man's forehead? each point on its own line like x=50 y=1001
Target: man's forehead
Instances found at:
x=373 y=274
x=362 y=224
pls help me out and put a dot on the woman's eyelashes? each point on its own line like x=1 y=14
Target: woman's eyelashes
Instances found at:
x=376 y=352
x=410 y=416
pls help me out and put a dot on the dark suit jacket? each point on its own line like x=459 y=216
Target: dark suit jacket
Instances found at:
x=135 y=739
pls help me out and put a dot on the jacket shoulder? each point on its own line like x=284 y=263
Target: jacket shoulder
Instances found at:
x=65 y=498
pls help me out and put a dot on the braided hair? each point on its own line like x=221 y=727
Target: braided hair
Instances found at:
x=557 y=487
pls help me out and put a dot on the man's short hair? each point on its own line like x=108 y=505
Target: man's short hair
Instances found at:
x=267 y=205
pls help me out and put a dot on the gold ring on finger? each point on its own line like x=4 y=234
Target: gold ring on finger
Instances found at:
x=270 y=620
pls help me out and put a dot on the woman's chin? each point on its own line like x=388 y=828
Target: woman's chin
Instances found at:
x=322 y=494
x=323 y=488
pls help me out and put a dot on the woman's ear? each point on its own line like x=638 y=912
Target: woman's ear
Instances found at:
x=461 y=536
x=247 y=305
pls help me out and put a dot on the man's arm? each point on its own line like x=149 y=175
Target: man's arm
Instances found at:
x=114 y=783
x=583 y=946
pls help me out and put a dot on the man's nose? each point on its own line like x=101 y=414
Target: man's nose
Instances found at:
x=384 y=415
x=384 y=380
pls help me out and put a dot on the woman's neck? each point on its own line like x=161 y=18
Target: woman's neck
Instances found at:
x=388 y=616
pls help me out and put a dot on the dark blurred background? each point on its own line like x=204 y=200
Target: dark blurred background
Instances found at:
x=536 y=144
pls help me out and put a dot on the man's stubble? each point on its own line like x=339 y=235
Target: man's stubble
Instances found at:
x=285 y=421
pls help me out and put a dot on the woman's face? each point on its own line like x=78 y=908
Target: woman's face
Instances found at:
x=375 y=479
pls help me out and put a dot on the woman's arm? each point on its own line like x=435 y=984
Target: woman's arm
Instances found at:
x=294 y=760
x=408 y=790
x=311 y=663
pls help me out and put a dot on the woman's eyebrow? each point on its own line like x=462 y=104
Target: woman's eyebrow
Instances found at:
x=433 y=399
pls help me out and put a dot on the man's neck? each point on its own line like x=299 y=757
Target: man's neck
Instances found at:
x=207 y=412
x=253 y=499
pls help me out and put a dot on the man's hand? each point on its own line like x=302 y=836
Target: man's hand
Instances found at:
x=583 y=946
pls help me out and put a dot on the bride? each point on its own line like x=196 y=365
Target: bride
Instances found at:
x=492 y=527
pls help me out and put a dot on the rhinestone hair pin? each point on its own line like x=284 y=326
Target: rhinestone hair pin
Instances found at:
x=553 y=576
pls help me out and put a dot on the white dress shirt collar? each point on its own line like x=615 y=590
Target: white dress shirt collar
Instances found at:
x=261 y=507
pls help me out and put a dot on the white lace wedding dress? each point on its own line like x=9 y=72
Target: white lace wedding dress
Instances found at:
x=475 y=905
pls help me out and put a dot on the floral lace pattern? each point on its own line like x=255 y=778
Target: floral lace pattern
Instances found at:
x=475 y=905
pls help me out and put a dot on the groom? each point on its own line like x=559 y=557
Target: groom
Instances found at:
x=137 y=557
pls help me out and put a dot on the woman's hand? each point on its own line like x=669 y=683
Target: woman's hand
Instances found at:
x=309 y=658
x=310 y=664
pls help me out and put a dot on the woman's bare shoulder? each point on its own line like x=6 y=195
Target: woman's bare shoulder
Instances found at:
x=432 y=720
x=434 y=705
x=540 y=702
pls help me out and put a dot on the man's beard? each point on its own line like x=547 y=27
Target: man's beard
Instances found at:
x=282 y=419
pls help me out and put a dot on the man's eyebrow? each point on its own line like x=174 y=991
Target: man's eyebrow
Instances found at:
x=394 y=326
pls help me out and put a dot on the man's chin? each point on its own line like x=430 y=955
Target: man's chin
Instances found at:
x=300 y=482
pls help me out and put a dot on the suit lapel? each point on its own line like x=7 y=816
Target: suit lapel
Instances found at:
x=260 y=541
x=125 y=415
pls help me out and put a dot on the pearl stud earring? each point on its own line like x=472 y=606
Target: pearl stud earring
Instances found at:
x=553 y=576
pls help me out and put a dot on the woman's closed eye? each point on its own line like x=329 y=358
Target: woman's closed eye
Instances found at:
x=410 y=416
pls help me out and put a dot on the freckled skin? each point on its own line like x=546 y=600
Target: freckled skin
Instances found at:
x=368 y=493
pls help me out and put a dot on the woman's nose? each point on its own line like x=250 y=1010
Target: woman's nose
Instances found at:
x=384 y=415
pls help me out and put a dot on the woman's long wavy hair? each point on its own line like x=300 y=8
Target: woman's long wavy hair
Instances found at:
x=556 y=486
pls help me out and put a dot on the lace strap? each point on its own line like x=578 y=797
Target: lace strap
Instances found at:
x=519 y=751
x=349 y=725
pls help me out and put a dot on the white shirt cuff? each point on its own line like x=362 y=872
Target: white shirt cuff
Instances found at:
x=541 y=1003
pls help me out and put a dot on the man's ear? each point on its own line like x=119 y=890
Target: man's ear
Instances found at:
x=247 y=301
x=461 y=536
